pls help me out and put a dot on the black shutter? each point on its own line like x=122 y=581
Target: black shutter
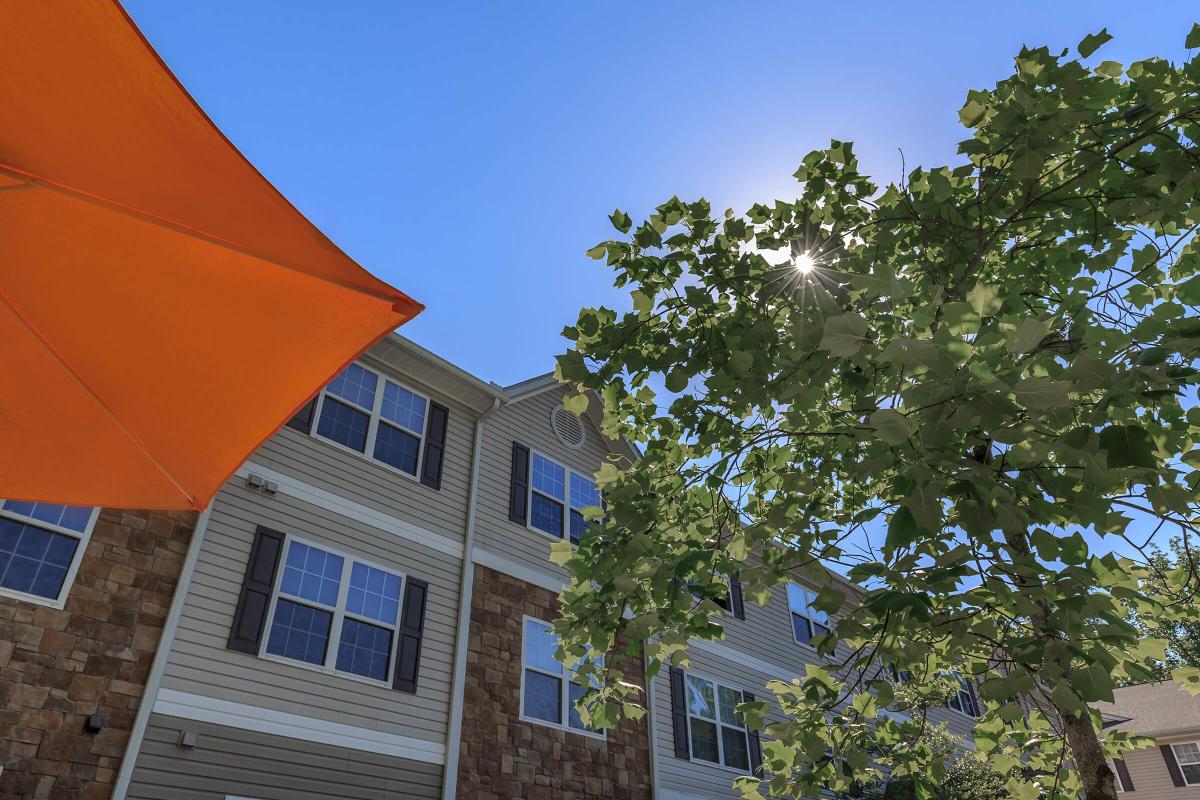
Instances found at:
x=1123 y=775
x=255 y=597
x=412 y=624
x=304 y=417
x=435 y=445
x=755 y=742
x=679 y=718
x=518 y=490
x=1172 y=765
x=735 y=597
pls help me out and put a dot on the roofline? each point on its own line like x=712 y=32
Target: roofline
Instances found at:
x=487 y=387
x=531 y=386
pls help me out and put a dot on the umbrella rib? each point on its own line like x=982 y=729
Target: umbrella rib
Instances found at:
x=66 y=365
x=401 y=302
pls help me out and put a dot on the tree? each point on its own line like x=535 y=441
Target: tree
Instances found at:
x=1181 y=632
x=935 y=388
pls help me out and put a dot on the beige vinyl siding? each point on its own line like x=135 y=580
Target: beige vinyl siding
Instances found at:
x=527 y=422
x=199 y=662
x=228 y=761
x=325 y=465
x=1148 y=771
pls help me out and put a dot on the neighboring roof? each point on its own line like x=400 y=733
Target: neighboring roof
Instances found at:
x=1152 y=709
x=531 y=386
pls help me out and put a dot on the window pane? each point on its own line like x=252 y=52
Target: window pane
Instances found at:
x=579 y=526
x=364 y=649
x=356 y=385
x=577 y=691
x=34 y=560
x=72 y=517
x=1191 y=773
x=540 y=647
x=548 y=478
x=799 y=599
x=312 y=574
x=1187 y=753
x=403 y=407
x=343 y=424
x=300 y=632
x=801 y=627
x=542 y=698
x=397 y=448
x=373 y=593
x=729 y=700
x=704 y=740
x=583 y=492
x=546 y=515
x=737 y=754
x=700 y=698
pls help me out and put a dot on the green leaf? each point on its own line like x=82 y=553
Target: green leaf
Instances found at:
x=1028 y=335
x=1193 y=37
x=1042 y=393
x=643 y=302
x=844 y=334
x=1128 y=446
x=902 y=529
x=984 y=299
x=597 y=252
x=620 y=221
x=576 y=403
x=1092 y=42
x=891 y=426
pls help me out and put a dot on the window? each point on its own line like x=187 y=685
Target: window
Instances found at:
x=716 y=731
x=368 y=413
x=41 y=545
x=1112 y=764
x=542 y=696
x=964 y=699
x=335 y=613
x=1187 y=755
x=551 y=510
x=807 y=621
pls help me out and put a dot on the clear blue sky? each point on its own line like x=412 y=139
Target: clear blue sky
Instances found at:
x=470 y=153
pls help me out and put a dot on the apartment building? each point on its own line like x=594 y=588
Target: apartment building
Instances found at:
x=1170 y=771
x=364 y=612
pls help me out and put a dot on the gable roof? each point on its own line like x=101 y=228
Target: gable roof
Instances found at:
x=1151 y=709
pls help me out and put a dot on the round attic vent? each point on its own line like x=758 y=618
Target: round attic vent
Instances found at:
x=567 y=427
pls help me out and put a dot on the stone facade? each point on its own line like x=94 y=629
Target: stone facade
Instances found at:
x=504 y=757
x=93 y=657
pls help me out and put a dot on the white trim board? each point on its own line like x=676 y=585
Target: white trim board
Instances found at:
x=348 y=508
x=493 y=560
x=185 y=705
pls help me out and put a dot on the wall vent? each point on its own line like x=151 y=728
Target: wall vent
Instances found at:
x=567 y=427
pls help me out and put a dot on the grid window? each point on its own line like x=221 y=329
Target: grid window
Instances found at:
x=807 y=621
x=387 y=423
x=1187 y=755
x=548 y=693
x=557 y=498
x=716 y=731
x=964 y=699
x=41 y=545
x=335 y=613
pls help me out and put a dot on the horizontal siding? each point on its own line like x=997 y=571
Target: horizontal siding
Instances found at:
x=527 y=422
x=229 y=761
x=199 y=662
x=327 y=466
x=1151 y=780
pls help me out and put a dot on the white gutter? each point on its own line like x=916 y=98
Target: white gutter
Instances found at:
x=462 y=635
x=165 y=640
x=652 y=729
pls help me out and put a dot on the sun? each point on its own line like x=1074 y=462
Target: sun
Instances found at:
x=804 y=263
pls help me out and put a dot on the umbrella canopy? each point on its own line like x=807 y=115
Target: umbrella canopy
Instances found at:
x=163 y=309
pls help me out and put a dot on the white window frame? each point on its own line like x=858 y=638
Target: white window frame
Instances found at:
x=827 y=624
x=965 y=686
x=375 y=419
x=1112 y=764
x=1181 y=763
x=339 y=615
x=564 y=693
x=717 y=721
x=69 y=579
x=566 y=502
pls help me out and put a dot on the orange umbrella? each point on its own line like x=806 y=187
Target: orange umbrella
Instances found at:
x=163 y=309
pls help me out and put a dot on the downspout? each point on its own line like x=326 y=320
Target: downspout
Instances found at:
x=159 y=665
x=463 y=631
x=651 y=726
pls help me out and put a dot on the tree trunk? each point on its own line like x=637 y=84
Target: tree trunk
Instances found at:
x=1098 y=780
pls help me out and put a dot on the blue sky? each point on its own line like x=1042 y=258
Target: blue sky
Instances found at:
x=470 y=153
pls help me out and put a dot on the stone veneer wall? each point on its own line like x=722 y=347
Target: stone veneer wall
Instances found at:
x=93 y=657
x=504 y=757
